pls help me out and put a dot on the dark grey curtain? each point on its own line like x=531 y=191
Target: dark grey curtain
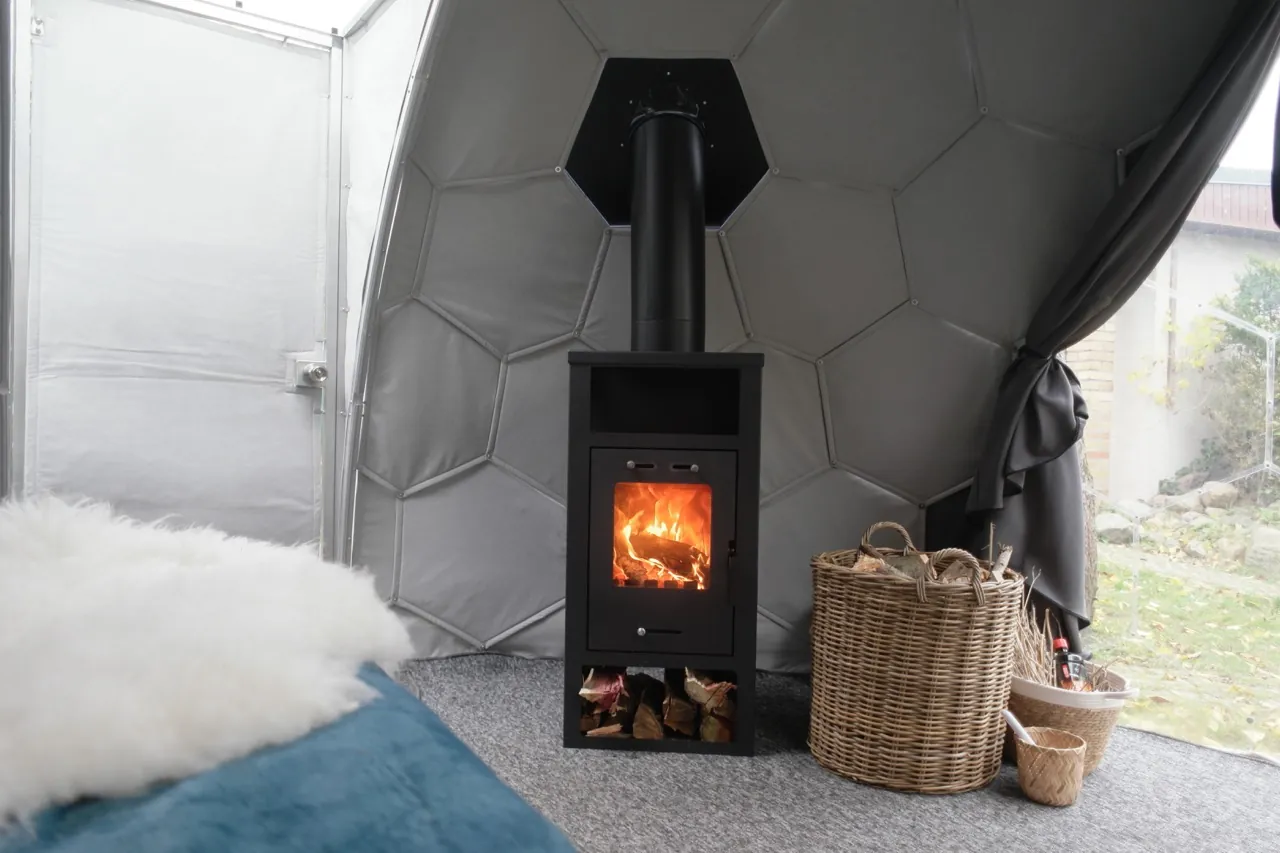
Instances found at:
x=1028 y=480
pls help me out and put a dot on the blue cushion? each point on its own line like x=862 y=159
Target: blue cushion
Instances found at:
x=388 y=777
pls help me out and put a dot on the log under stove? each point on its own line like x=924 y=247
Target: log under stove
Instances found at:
x=663 y=486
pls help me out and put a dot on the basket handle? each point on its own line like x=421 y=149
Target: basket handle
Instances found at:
x=959 y=557
x=868 y=548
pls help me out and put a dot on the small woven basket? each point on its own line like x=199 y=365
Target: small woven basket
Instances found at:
x=1051 y=770
x=909 y=677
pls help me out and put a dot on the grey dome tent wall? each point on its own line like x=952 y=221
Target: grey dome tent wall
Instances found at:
x=932 y=167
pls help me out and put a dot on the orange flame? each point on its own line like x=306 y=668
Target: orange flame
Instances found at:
x=662 y=534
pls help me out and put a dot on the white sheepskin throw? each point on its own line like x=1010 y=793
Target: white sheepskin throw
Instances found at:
x=132 y=654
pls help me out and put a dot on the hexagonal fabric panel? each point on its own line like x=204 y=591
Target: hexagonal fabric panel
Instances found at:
x=408 y=232
x=432 y=641
x=793 y=441
x=515 y=111
x=533 y=421
x=431 y=398
x=608 y=325
x=704 y=28
x=989 y=227
x=542 y=639
x=374 y=546
x=512 y=260
x=781 y=649
x=859 y=91
x=1078 y=68
x=892 y=185
x=459 y=543
x=910 y=401
x=817 y=263
x=827 y=513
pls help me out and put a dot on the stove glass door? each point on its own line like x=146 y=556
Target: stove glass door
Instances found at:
x=662 y=526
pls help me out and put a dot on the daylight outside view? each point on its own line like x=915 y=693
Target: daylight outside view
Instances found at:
x=1181 y=389
x=1181 y=386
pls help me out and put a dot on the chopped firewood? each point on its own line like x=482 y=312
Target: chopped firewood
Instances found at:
x=623 y=712
x=603 y=686
x=910 y=566
x=678 y=711
x=869 y=565
x=611 y=730
x=1002 y=562
x=715 y=729
x=698 y=685
x=710 y=690
x=722 y=704
x=678 y=557
x=958 y=570
x=591 y=714
x=648 y=719
x=647 y=725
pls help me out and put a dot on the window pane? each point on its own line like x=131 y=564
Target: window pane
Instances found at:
x=1181 y=388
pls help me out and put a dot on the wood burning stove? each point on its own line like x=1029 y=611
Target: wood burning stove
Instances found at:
x=663 y=500
x=663 y=490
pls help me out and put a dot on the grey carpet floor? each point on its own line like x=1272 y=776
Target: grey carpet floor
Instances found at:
x=1151 y=793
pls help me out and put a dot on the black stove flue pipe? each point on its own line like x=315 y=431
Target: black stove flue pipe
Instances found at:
x=668 y=234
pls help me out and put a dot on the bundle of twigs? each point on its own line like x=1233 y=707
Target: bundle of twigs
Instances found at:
x=1033 y=651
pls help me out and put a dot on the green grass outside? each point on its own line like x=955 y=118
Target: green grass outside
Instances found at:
x=1206 y=659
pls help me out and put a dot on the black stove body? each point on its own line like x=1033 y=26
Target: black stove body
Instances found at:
x=664 y=440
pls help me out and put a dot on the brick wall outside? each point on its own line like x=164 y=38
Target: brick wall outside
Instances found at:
x=1093 y=361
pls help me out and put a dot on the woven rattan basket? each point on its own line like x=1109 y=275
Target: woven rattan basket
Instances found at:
x=910 y=677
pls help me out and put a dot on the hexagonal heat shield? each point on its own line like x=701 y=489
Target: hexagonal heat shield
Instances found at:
x=600 y=160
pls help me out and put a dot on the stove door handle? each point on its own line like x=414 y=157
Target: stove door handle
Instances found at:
x=730 y=551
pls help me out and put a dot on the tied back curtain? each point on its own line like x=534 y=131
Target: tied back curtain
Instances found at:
x=1028 y=480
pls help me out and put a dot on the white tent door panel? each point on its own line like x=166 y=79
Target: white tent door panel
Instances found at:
x=178 y=254
x=379 y=65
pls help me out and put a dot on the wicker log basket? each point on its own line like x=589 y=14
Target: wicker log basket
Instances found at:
x=910 y=675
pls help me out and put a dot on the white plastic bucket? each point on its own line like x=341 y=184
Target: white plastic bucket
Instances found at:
x=1108 y=700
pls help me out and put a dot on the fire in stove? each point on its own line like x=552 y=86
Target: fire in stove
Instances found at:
x=662 y=535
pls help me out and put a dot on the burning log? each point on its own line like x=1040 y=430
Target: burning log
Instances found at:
x=678 y=712
x=636 y=571
x=648 y=717
x=679 y=558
